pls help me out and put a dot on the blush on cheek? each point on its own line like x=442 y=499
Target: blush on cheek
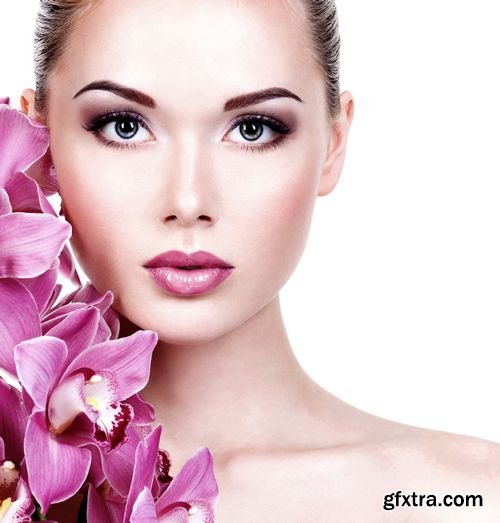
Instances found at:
x=288 y=221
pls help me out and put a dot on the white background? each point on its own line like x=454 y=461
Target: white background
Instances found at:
x=395 y=305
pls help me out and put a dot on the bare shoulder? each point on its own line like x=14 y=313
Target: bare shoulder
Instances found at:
x=452 y=457
x=380 y=471
x=464 y=467
x=424 y=475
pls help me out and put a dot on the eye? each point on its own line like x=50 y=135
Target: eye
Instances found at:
x=124 y=128
x=249 y=128
x=120 y=129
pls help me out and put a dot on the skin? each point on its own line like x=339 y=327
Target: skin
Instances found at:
x=224 y=374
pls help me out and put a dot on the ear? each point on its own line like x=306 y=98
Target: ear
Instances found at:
x=27 y=102
x=337 y=146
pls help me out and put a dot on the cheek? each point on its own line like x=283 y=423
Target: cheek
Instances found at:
x=101 y=211
x=289 y=218
x=281 y=221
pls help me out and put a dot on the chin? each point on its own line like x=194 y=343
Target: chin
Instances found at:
x=179 y=327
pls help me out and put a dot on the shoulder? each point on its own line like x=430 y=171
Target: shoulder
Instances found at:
x=439 y=476
x=445 y=455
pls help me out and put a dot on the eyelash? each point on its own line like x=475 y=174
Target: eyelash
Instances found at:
x=97 y=123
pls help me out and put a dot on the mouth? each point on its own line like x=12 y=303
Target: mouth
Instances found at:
x=188 y=274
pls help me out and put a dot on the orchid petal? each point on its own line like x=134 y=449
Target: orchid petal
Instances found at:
x=25 y=195
x=103 y=302
x=195 y=481
x=68 y=266
x=66 y=403
x=5 y=205
x=129 y=359
x=13 y=419
x=30 y=243
x=53 y=298
x=2 y=450
x=197 y=511
x=22 y=141
x=146 y=455
x=28 y=402
x=112 y=321
x=99 y=510
x=80 y=298
x=144 y=412
x=77 y=329
x=56 y=470
x=9 y=478
x=42 y=287
x=44 y=202
x=81 y=432
x=43 y=172
x=96 y=474
x=4 y=100
x=19 y=320
x=89 y=295
x=39 y=363
x=110 y=428
x=162 y=477
x=19 y=509
x=57 y=314
x=118 y=465
x=177 y=514
x=144 y=508
x=103 y=332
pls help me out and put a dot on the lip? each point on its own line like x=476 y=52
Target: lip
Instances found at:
x=167 y=272
x=181 y=259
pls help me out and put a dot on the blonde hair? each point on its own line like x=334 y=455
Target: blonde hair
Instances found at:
x=56 y=18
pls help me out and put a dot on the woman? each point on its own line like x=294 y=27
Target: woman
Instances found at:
x=212 y=128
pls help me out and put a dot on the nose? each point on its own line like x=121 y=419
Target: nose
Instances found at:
x=190 y=191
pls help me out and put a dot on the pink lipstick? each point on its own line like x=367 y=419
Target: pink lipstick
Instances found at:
x=188 y=274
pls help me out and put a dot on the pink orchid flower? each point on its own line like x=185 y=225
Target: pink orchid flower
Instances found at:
x=15 y=498
x=31 y=236
x=20 y=320
x=190 y=497
x=76 y=391
x=84 y=296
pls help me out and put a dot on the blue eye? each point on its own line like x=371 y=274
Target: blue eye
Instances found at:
x=252 y=127
x=120 y=129
x=251 y=130
x=125 y=128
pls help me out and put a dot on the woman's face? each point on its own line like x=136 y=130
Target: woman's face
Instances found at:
x=183 y=172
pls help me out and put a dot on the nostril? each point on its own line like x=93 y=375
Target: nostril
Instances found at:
x=203 y=217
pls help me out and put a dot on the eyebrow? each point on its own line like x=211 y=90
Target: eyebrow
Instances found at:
x=237 y=102
x=259 y=96
x=128 y=93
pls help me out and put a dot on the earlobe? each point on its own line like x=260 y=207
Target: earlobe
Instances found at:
x=337 y=146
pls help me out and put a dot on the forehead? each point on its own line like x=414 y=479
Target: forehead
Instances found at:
x=207 y=47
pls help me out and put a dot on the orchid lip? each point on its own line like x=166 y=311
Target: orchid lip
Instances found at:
x=182 y=260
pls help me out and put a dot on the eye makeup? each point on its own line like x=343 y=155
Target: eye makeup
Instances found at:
x=97 y=122
x=262 y=119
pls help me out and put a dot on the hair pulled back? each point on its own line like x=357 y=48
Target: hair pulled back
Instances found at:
x=56 y=18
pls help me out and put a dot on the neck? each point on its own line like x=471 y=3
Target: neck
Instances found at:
x=236 y=392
